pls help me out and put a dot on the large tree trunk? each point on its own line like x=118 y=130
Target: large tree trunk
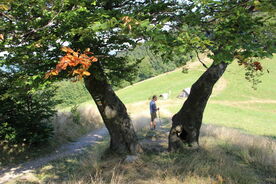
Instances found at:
x=187 y=122
x=113 y=112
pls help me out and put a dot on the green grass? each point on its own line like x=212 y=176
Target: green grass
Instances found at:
x=173 y=81
x=254 y=121
x=249 y=120
x=238 y=88
x=238 y=105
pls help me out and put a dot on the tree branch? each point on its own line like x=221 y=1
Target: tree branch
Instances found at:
x=200 y=60
x=43 y=27
x=11 y=18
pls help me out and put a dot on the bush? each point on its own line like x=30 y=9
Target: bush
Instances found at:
x=25 y=112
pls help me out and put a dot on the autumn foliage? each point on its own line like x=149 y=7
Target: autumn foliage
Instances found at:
x=256 y=66
x=77 y=62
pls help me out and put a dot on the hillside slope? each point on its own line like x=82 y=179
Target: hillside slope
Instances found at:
x=234 y=103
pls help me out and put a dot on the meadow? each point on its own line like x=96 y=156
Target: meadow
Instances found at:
x=234 y=103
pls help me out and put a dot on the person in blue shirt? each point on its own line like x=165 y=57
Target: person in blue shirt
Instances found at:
x=153 y=110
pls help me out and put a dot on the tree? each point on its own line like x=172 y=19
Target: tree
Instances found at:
x=242 y=31
x=33 y=31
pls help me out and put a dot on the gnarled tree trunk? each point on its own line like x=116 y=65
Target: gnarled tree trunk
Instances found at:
x=187 y=122
x=113 y=111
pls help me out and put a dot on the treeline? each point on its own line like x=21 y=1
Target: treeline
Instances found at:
x=150 y=64
x=71 y=93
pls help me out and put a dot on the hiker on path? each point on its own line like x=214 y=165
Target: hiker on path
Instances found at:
x=153 y=110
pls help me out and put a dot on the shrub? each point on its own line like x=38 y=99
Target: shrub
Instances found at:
x=25 y=112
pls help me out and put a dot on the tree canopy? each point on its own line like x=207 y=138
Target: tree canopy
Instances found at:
x=33 y=31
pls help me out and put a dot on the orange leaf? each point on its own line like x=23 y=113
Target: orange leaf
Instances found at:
x=1 y=37
x=85 y=63
x=86 y=73
x=54 y=72
x=64 y=59
x=47 y=75
x=73 y=64
x=80 y=63
x=83 y=56
x=64 y=66
x=67 y=49
x=94 y=59
x=78 y=71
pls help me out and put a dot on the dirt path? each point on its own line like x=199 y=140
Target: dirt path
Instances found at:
x=77 y=147
x=140 y=120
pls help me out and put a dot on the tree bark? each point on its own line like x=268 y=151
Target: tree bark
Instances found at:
x=187 y=122
x=123 y=138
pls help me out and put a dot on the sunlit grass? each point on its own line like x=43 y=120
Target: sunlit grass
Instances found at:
x=234 y=103
x=172 y=81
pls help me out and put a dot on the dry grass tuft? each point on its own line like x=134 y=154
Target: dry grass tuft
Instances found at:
x=67 y=129
x=252 y=148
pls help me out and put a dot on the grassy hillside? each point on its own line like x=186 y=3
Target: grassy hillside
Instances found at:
x=172 y=81
x=234 y=102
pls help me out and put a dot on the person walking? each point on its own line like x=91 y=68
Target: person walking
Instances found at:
x=153 y=110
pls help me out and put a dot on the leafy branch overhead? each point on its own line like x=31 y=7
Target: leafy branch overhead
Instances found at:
x=78 y=62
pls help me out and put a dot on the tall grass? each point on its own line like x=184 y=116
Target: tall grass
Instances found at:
x=70 y=125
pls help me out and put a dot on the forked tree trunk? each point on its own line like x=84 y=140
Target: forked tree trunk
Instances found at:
x=187 y=122
x=113 y=111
